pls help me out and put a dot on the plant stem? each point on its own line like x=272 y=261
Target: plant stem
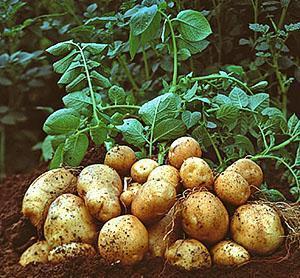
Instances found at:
x=283 y=15
x=120 y=106
x=146 y=63
x=215 y=149
x=255 y=11
x=2 y=153
x=285 y=143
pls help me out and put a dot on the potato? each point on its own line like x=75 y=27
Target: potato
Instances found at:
x=258 y=228
x=70 y=251
x=232 y=188
x=100 y=186
x=43 y=191
x=188 y=254
x=120 y=158
x=128 y=195
x=123 y=239
x=195 y=172
x=68 y=220
x=141 y=169
x=204 y=217
x=183 y=148
x=36 y=253
x=229 y=253
x=153 y=201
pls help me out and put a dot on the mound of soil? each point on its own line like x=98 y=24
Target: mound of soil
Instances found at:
x=16 y=234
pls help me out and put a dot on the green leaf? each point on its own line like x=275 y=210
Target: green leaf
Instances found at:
x=94 y=48
x=235 y=69
x=77 y=84
x=75 y=149
x=294 y=125
x=297 y=158
x=191 y=92
x=150 y=33
x=98 y=134
x=260 y=28
x=227 y=113
x=60 y=48
x=184 y=54
x=193 y=47
x=169 y=129
x=244 y=143
x=222 y=99
x=47 y=148
x=58 y=157
x=134 y=44
x=259 y=101
x=259 y=86
x=69 y=76
x=61 y=65
x=100 y=80
x=190 y=118
x=117 y=94
x=238 y=97
x=79 y=100
x=273 y=195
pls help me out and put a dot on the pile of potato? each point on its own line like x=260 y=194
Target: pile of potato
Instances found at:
x=178 y=211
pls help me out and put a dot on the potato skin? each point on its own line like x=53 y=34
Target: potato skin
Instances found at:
x=123 y=239
x=183 y=148
x=120 y=158
x=204 y=217
x=36 y=253
x=43 y=191
x=141 y=169
x=68 y=220
x=195 y=172
x=232 y=188
x=153 y=201
x=128 y=195
x=188 y=254
x=229 y=253
x=258 y=228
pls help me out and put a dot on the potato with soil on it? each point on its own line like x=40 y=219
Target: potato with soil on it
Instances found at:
x=188 y=254
x=36 y=253
x=195 y=172
x=183 y=148
x=258 y=228
x=120 y=158
x=69 y=220
x=204 y=217
x=128 y=195
x=232 y=188
x=141 y=169
x=124 y=240
x=229 y=253
x=43 y=191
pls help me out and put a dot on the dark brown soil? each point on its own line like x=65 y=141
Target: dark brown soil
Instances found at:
x=16 y=234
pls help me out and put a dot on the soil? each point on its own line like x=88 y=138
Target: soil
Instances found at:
x=16 y=234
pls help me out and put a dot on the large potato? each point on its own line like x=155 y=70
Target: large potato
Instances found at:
x=43 y=191
x=183 y=148
x=36 y=253
x=123 y=239
x=204 y=217
x=195 y=172
x=128 y=195
x=68 y=220
x=258 y=228
x=141 y=169
x=188 y=254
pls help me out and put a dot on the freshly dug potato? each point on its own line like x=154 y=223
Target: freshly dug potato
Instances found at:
x=70 y=251
x=123 y=239
x=141 y=169
x=100 y=186
x=153 y=201
x=188 y=254
x=258 y=228
x=204 y=217
x=120 y=158
x=195 y=172
x=69 y=220
x=229 y=253
x=128 y=195
x=232 y=188
x=36 y=253
x=183 y=148
x=43 y=191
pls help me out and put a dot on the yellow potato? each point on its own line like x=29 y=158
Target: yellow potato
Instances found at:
x=36 y=253
x=128 y=195
x=141 y=169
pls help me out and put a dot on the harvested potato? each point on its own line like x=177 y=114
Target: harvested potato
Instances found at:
x=153 y=201
x=204 y=217
x=120 y=158
x=100 y=186
x=232 y=188
x=188 y=254
x=43 y=191
x=183 y=148
x=123 y=239
x=70 y=251
x=69 y=220
x=141 y=169
x=36 y=253
x=128 y=195
x=195 y=172
x=258 y=228
x=229 y=253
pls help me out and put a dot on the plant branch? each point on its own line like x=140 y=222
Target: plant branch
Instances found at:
x=119 y=106
x=145 y=58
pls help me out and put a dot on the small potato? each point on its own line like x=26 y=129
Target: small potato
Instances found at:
x=258 y=228
x=195 y=172
x=36 y=253
x=204 y=217
x=183 y=148
x=153 y=201
x=229 y=253
x=232 y=188
x=68 y=220
x=123 y=239
x=141 y=169
x=188 y=254
x=70 y=251
x=120 y=158
x=128 y=195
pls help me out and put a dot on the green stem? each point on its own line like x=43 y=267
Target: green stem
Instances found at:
x=215 y=148
x=285 y=143
x=2 y=153
x=255 y=11
x=146 y=64
x=283 y=15
x=120 y=106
